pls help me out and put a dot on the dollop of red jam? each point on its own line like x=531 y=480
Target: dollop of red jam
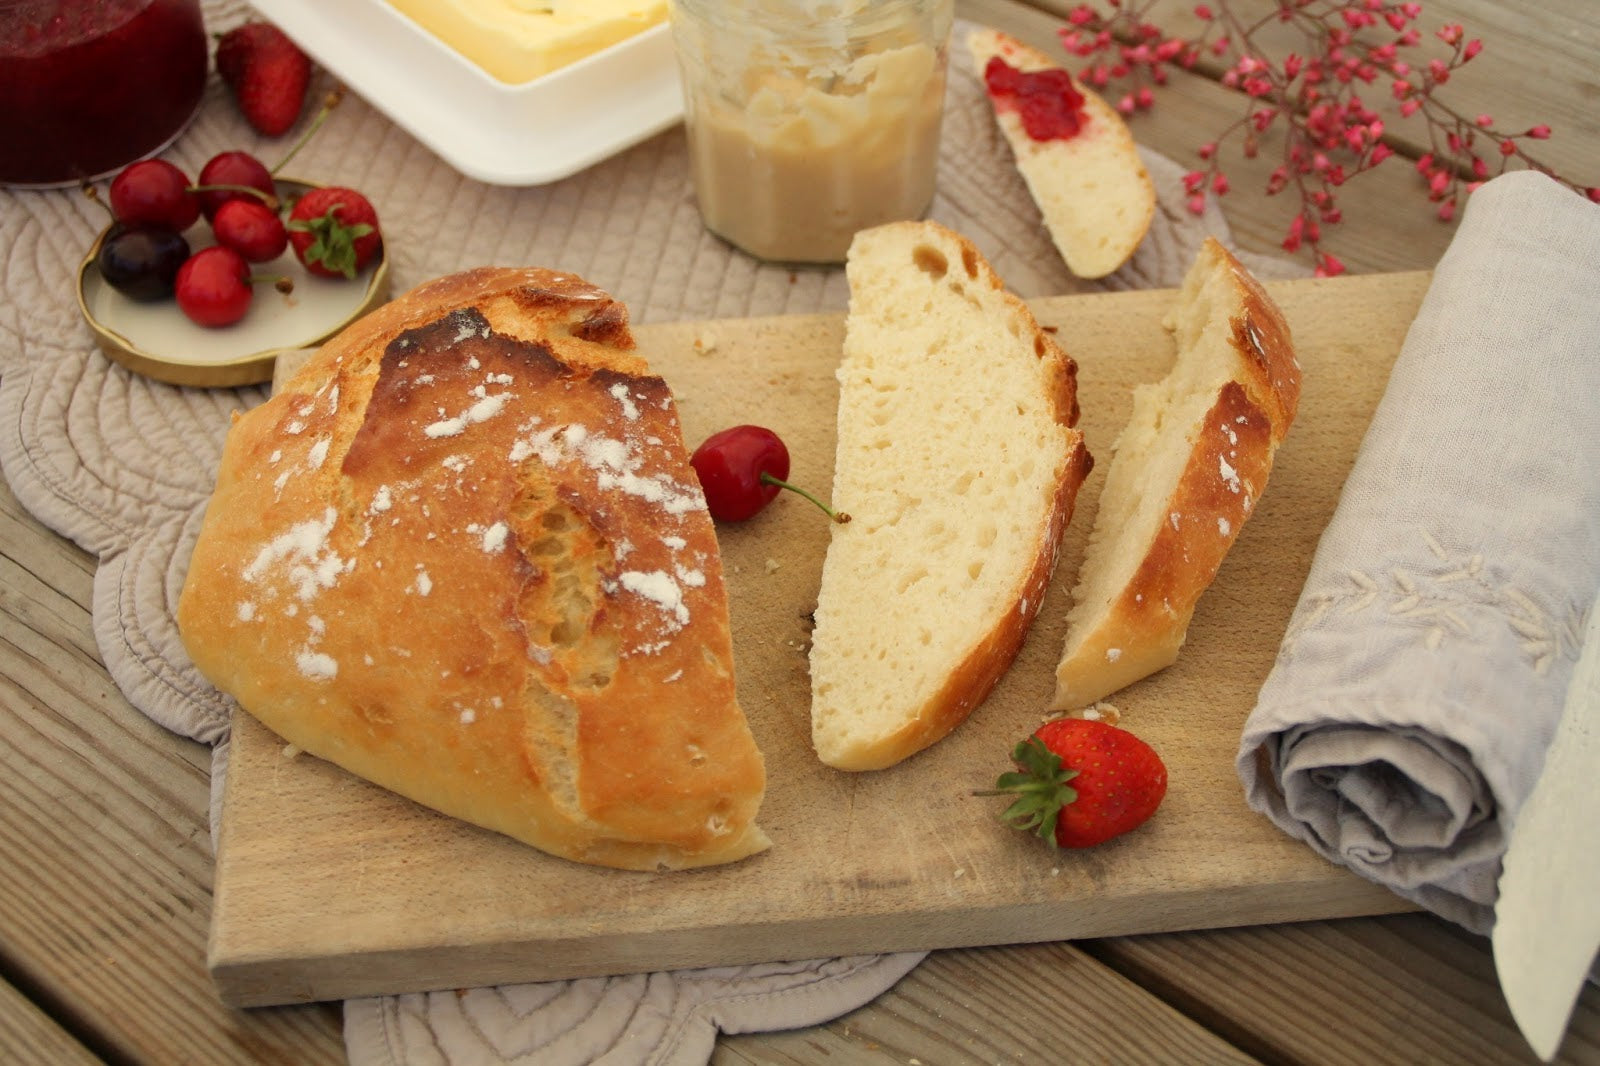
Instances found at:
x=1050 y=107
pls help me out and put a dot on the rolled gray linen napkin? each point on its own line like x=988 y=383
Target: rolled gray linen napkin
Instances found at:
x=1425 y=666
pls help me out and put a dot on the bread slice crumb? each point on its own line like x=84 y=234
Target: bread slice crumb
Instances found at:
x=959 y=460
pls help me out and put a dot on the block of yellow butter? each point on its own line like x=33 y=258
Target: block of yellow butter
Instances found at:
x=519 y=40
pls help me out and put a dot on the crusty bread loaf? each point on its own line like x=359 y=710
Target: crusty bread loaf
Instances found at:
x=959 y=463
x=462 y=554
x=1092 y=188
x=1185 y=474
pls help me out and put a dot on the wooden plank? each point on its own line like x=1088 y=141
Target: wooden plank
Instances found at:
x=28 y=1034
x=105 y=891
x=1043 y=1003
x=1403 y=988
x=328 y=887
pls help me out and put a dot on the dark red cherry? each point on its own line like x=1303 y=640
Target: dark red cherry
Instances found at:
x=252 y=229
x=155 y=192
x=229 y=176
x=141 y=261
x=213 y=287
x=742 y=469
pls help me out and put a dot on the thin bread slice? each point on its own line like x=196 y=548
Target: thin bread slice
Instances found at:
x=1092 y=188
x=1185 y=474
x=959 y=462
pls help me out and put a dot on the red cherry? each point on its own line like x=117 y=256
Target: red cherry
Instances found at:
x=237 y=171
x=213 y=287
x=250 y=228
x=742 y=469
x=155 y=192
x=730 y=465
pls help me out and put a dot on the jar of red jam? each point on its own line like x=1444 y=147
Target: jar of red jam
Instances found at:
x=87 y=86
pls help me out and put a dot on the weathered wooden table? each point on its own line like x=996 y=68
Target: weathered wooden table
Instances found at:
x=105 y=870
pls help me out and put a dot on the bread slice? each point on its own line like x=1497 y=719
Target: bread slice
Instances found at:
x=1092 y=188
x=1185 y=474
x=959 y=463
x=462 y=554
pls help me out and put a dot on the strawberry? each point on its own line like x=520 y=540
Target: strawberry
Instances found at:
x=267 y=73
x=334 y=231
x=1118 y=781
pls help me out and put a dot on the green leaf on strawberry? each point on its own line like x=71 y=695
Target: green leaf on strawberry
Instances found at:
x=1040 y=787
x=334 y=231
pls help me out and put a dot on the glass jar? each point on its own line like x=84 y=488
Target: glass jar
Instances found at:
x=87 y=86
x=808 y=120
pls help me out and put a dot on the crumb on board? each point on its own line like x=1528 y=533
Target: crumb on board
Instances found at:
x=290 y=751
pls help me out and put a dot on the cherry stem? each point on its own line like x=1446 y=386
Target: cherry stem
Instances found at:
x=328 y=104
x=94 y=194
x=837 y=516
x=265 y=197
x=282 y=282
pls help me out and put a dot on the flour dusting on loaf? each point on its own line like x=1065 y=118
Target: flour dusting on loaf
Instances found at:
x=1186 y=473
x=1092 y=188
x=462 y=554
x=959 y=462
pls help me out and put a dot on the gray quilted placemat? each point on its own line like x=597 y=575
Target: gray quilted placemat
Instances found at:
x=123 y=466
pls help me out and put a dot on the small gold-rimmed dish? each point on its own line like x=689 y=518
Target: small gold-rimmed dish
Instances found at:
x=158 y=341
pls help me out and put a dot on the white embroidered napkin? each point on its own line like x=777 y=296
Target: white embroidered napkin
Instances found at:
x=1426 y=664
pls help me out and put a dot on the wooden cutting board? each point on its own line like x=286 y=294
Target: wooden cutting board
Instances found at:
x=328 y=887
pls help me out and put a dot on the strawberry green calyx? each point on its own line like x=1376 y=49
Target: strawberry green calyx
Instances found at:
x=333 y=242
x=1040 y=786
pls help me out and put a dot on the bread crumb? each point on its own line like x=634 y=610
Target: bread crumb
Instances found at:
x=1101 y=712
x=706 y=343
x=290 y=751
x=772 y=565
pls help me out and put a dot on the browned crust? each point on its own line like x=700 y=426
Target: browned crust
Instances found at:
x=1261 y=337
x=468 y=689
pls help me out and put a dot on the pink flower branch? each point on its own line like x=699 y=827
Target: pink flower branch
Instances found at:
x=1312 y=96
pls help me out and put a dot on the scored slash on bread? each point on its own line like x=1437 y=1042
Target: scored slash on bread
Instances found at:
x=1185 y=474
x=1092 y=189
x=959 y=462
x=462 y=554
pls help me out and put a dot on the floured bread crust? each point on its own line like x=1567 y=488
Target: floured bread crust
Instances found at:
x=1092 y=189
x=462 y=554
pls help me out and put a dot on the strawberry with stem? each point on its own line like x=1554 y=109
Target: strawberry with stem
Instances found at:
x=1081 y=782
x=334 y=231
